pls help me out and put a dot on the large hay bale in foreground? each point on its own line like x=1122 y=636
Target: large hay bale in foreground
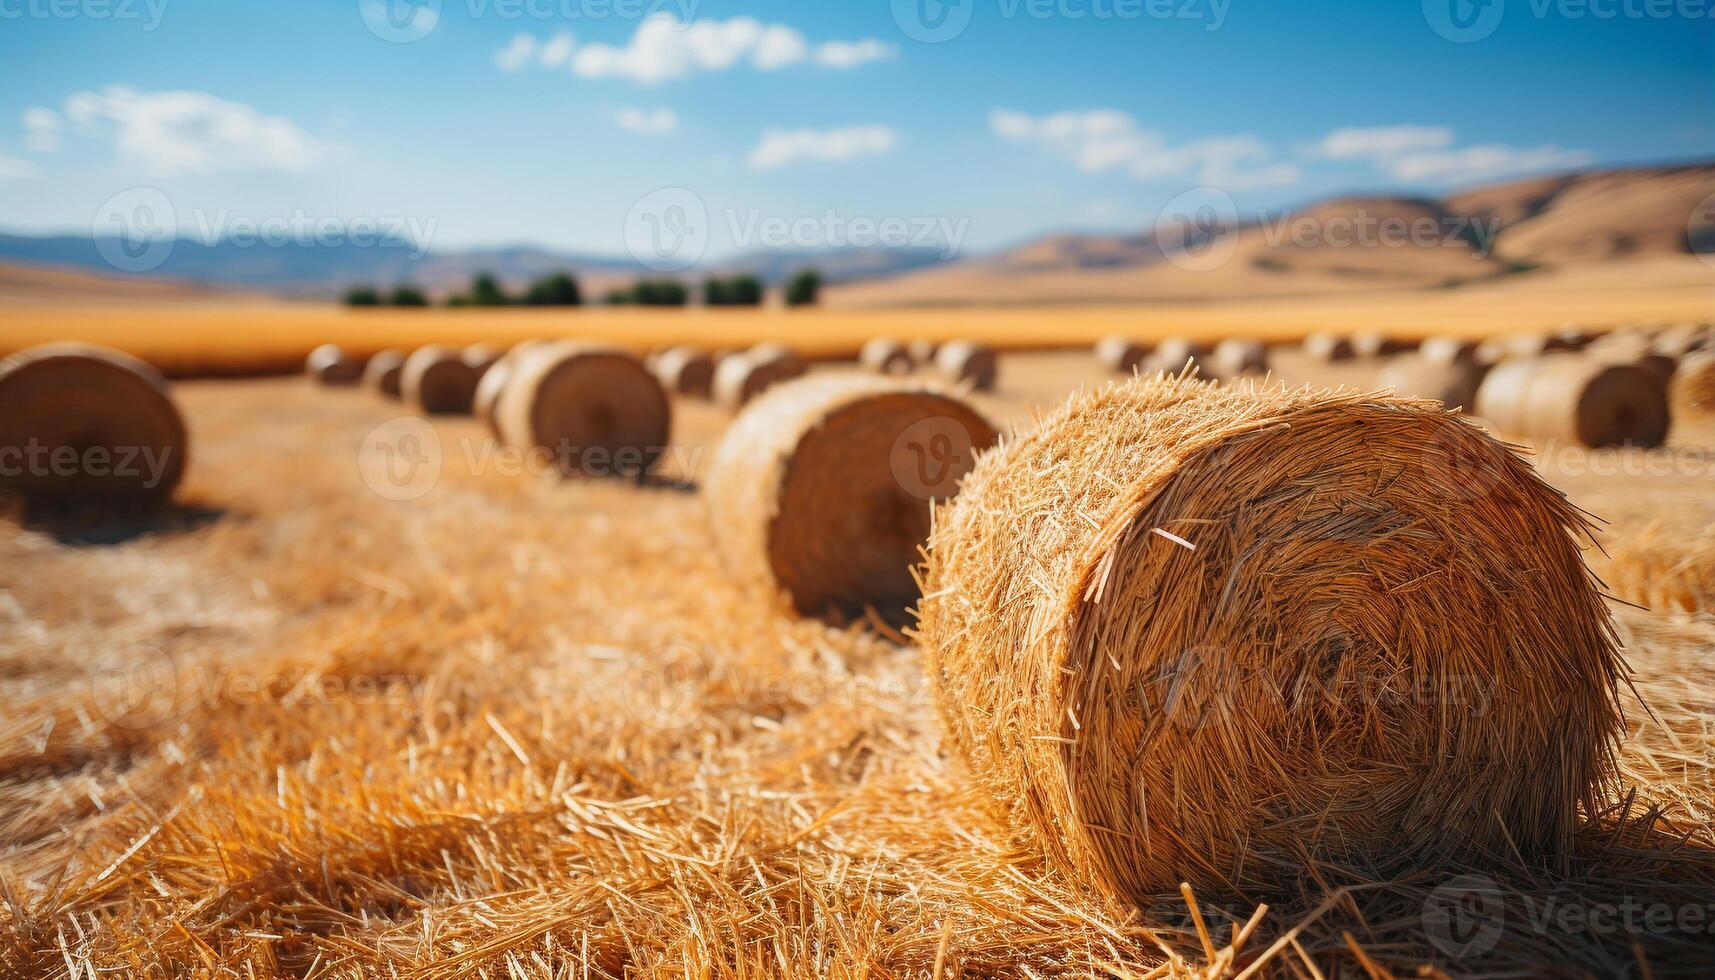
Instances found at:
x=968 y=362
x=1121 y=355
x=1328 y=348
x=821 y=490
x=87 y=427
x=329 y=364
x=685 y=370
x=437 y=380
x=740 y=377
x=595 y=409
x=1452 y=383
x=384 y=372
x=886 y=356
x=1193 y=632
x=1576 y=399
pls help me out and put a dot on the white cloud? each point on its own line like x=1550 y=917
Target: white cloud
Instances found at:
x=851 y=54
x=664 y=48
x=170 y=133
x=1382 y=141
x=12 y=168
x=1103 y=140
x=1495 y=160
x=780 y=147
x=42 y=129
x=649 y=122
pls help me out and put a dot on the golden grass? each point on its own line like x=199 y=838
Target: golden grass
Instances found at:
x=529 y=728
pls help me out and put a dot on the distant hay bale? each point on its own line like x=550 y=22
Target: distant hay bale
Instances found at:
x=923 y=351
x=1683 y=339
x=87 y=427
x=1538 y=344
x=1174 y=354
x=1694 y=384
x=885 y=356
x=481 y=357
x=383 y=372
x=1183 y=631
x=1450 y=350
x=1576 y=399
x=820 y=491
x=595 y=409
x=1121 y=355
x=967 y=362
x=1237 y=357
x=685 y=370
x=1635 y=349
x=1452 y=383
x=741 y=377
x=487 y=396
x=1374 y=343
x=437 y=380
x=780 y=355
x=331 y=365
x=1328 y=347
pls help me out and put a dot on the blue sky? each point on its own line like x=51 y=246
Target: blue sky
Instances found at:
x=1039 y=115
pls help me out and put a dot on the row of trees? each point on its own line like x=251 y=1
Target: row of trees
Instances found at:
x=561 y=289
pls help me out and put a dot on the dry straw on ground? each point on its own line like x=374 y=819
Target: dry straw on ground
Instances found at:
x=968 y=362
x=1576 y=400
x=383 y=372
x=686 y=370
x=596 y=409
x=1122 y=355
x=87 y=427
x=1452 y=383
x=438 y=381
x=820 y=491
x=1223 y=633
x=331 y=365
x=885 y=356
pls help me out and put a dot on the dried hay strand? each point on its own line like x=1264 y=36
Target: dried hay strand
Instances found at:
x=437 y=380
x=1452 y=383
x=329 y=364
x=1213 y=633
x=384 y=372
x=1328 y=348
x=1451 y=350
x=1694 y=384
x=595 y=408
x=1174 y=354
x=1121 y=355
x=1576 y=399
x=1237 y=357
x=886 y=356
x=741 y=377
x=481 y=357
x=87 y=427
x=968 y=362
x=685 y=370
x=820 y=491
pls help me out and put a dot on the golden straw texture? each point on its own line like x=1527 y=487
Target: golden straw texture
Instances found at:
x=1187 y=632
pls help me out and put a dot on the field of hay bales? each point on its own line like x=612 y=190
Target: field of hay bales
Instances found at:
x=498 y=724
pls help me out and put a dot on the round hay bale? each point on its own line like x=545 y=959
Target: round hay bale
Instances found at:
x=1174 y=354
x=595 y=409
x=1122 y=355
x=686 y=371
x=86 y=426
x=1374 y=343
x=740 y=377
x=884 y=356
x=1328 y=347
x=1183 y=631
x=1680 y=340
x=1452 y=383
x=481 y=357
x=1237 y=357
x=1538 y=344
x=329 y=364
x=1694 y=384
x=1576 y=399
x=779 y=354
x=488 y=391
x=384 y=372
x=437 y=380
x=966 y=361
x=1450 y=350
x=820 y=491
x=1635 y=349
x=923 y=351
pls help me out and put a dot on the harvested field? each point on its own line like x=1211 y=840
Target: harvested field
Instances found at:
x=319 y=721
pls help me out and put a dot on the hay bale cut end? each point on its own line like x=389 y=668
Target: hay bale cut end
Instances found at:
x=772 y=352
x=383 y=372
x=820 y=492
x=481 y=357
x=741 y=377
x=329 y=364
x=686 y=371
x=885 y=356
x=1328 y=347
x=1183 y=631
x=1452 y=383
x=1121 y=355
x=595 y=409
x=86 y=427
x=1576 y=399
x=437 y=380
x=968 y=362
